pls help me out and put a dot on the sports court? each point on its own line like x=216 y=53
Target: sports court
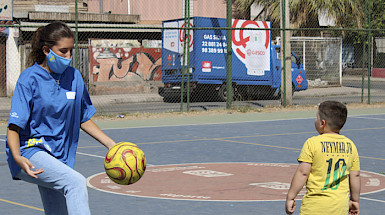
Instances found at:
x=212 y=164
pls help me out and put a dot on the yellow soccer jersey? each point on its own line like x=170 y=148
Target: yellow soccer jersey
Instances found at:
x=332 y=156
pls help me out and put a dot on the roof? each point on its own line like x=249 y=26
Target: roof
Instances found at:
x=97 y=27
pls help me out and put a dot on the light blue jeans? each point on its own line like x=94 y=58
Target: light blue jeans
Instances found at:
x=63 y=190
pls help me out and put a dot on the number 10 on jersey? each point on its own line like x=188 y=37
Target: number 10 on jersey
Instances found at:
x=338 y=172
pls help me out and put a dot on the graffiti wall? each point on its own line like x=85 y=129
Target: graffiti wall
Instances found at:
x=125 y=66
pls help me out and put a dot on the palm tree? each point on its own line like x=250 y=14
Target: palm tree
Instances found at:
x=304 y=13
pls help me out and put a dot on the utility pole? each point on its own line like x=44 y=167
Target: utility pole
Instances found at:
x=286 y=83
x=229 y=67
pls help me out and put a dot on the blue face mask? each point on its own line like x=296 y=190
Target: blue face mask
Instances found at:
x=56 y=63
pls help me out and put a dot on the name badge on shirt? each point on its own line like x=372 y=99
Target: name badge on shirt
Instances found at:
x=71 y=95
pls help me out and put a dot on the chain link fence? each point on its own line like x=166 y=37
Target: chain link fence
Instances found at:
x=144 y=66
x=322 y=59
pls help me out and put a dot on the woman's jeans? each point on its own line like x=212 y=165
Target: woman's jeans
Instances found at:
x=63 y=190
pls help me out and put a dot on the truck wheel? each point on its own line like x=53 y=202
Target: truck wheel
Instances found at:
x=292 y=91
x=222 y=93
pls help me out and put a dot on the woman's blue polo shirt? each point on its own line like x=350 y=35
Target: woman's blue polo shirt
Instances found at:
x=49 y=113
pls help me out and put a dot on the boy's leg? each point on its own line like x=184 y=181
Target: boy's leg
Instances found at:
x=59 y=177
x=53 y=201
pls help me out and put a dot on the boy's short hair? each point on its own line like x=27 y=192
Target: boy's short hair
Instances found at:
x=334 y=113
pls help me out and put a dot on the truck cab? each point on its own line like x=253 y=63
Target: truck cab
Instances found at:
x=298 y=74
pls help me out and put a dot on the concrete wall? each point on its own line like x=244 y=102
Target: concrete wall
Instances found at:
x=158 y=10
x=115 y=6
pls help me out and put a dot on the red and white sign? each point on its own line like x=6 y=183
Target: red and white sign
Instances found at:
x=242 y=37
x=183 y=35
x=252 y=47
x=299 y=79
x=169 y=58
x=206 y=66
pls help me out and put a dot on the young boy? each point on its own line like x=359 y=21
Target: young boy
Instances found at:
x=330 y=167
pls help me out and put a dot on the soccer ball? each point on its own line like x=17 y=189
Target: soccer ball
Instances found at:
x=125 y=163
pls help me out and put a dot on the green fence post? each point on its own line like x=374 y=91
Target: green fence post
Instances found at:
x=188 y=58
x=76 y=35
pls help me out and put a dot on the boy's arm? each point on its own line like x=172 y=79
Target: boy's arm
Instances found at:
x=299 y=180
x=355 y=188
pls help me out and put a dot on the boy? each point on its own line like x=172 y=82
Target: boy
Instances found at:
x=330 y=167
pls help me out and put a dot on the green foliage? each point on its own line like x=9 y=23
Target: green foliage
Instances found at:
x=304 y=13
x=351 y=15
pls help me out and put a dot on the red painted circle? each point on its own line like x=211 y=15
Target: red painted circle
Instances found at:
x=218 y=182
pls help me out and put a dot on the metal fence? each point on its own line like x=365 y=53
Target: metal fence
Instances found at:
x=127 y=71
x=322 y=59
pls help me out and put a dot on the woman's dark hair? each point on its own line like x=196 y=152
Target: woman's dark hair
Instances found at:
x=47 y=36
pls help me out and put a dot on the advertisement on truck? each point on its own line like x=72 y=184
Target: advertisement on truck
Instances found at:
x=256 y=66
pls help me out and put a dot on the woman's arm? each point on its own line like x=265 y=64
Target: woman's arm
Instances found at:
x=13 y=141
x=94 y=131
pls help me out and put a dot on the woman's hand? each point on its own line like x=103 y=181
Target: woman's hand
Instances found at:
x=27 y=166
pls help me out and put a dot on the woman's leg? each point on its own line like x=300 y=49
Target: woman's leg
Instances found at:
x=61 y=178
x=54 y=202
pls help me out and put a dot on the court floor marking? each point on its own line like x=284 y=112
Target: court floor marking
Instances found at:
x=224 y=139
x=274 y=120
x=249 y=136
x=374 y=200
x=22 y=205
x=361 y=117
x=233 y=141
x=251 y=121
x=372 y=158
x=219 y=123
x=91 y=155
x=259 y=144
x=277 y=200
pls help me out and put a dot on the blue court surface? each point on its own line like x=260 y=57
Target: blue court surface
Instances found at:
x=223 y=164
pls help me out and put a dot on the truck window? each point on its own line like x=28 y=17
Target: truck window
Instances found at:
x=278 y=51
x=293 y=58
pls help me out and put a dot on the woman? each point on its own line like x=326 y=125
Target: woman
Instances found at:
x=49 y=106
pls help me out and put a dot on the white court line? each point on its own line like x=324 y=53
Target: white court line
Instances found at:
x=360 y=117
x=235 y=122
x=98 y=156
x=375 y=200
x=221 y=123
